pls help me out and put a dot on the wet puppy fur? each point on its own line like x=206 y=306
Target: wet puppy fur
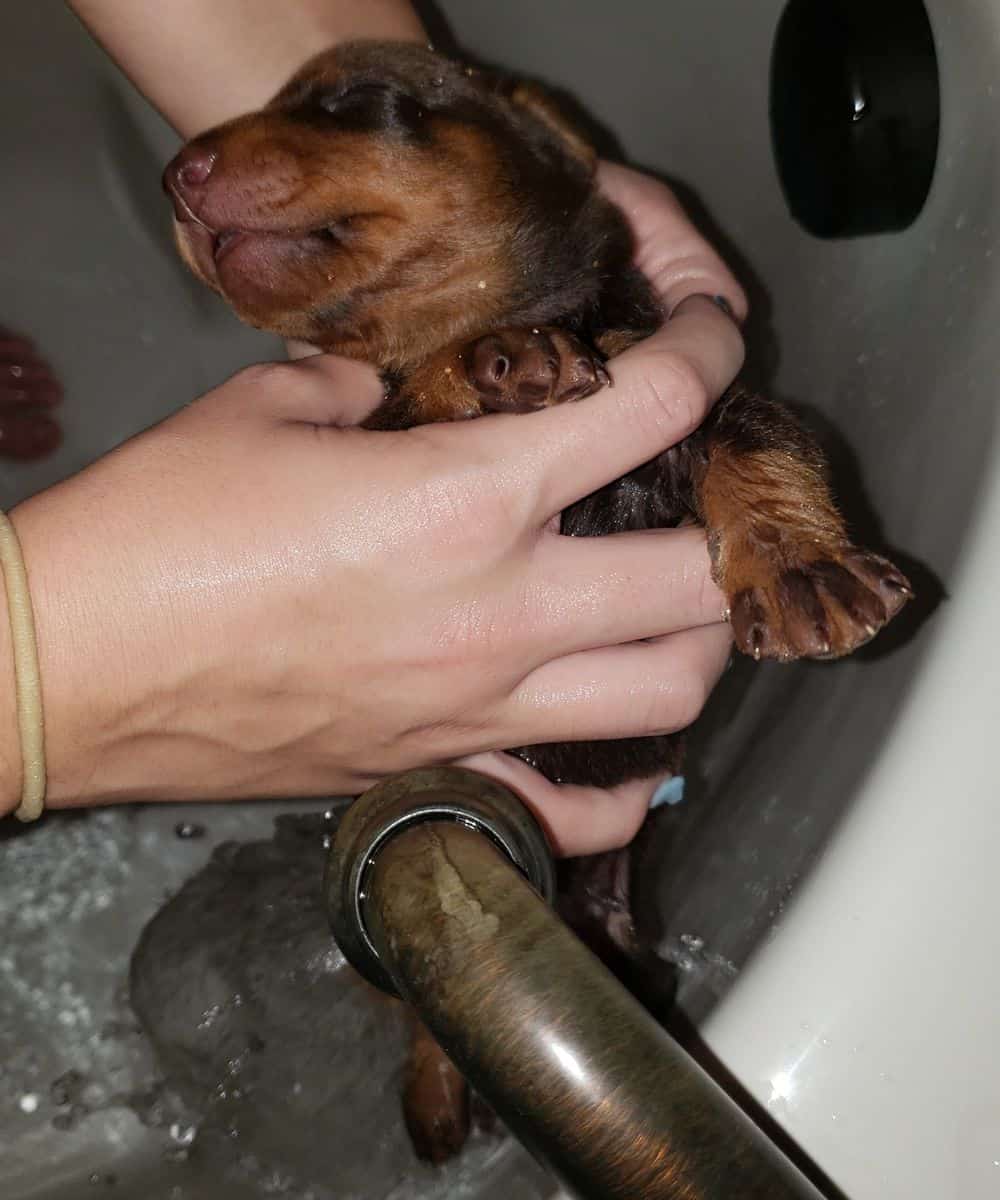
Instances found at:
x=442 y=223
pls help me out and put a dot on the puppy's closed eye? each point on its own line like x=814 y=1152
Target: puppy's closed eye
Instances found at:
x=370 y=106
x=336 y=100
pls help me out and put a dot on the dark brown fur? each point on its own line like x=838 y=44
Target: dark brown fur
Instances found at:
x=395 y=206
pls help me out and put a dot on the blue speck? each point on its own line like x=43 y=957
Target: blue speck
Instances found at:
x=670 y=791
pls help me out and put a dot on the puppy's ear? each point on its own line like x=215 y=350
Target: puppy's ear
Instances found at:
x=540 y=105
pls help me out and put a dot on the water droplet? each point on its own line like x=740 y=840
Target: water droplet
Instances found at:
x=183 y=1135
x=186 y=830
x=28 y=1103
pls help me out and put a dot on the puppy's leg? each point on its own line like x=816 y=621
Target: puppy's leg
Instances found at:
x=435 y=1099
x=509 y=370
x=796 y=584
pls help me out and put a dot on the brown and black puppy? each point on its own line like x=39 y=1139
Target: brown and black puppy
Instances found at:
x=397 y=207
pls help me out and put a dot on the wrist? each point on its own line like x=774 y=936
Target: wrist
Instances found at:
x=201 y=64
x=82 y=700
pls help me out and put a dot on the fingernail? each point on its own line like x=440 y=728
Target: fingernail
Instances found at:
x=670 y=791
x=726 y=307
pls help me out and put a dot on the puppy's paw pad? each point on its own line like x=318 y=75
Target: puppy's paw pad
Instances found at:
x=581 y=372
x=520 y=370
x=824 y=608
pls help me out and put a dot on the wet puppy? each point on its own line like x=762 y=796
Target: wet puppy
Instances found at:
x=398 y=207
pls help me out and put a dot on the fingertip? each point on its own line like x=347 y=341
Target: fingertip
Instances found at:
x=298 y=350
x=576 y=819
x=670 y=250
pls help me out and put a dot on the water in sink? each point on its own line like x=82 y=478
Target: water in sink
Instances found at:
x=259 y=1064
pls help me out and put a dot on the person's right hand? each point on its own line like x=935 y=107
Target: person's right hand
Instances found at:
x=254 y=599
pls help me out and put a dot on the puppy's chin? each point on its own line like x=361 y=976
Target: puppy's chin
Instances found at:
x=267 y=278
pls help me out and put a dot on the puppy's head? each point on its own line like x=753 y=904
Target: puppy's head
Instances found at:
x=387 y=201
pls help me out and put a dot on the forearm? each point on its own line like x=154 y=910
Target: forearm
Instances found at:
x=203 y=61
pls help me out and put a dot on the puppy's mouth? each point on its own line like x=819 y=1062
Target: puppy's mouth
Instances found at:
x=225 y=242
x=226 y=255
x=229 y=240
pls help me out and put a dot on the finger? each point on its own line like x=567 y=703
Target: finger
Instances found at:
x=43 y=392
x=296 y=350
x=663 y=389
x=320 y=390
x=14 y=346
x=347 y=391
x=637 y=690
x=592 y=592
x=670 y=252
x=576 y=819
x=24 y=370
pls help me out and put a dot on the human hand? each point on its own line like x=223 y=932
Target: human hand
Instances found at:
x=681 y=265
x=255 y=599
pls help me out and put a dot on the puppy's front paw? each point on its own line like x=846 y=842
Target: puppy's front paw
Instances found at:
x=520 y=370
x=819 y=603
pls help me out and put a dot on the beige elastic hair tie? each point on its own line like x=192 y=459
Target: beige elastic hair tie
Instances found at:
x=30 y=720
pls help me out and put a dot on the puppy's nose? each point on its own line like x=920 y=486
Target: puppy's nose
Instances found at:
x=185 y=178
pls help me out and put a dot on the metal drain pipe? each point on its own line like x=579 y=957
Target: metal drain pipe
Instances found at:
x=437 y=886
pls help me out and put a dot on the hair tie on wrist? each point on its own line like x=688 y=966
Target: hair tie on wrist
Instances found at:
x=28 y=679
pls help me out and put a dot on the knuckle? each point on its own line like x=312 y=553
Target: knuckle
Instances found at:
x=267 y=374
x=673 y=397
x=689 y=695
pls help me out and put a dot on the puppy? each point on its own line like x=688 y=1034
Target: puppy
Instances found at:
x=443 y=224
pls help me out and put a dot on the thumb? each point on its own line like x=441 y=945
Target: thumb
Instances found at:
x=322 y=389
